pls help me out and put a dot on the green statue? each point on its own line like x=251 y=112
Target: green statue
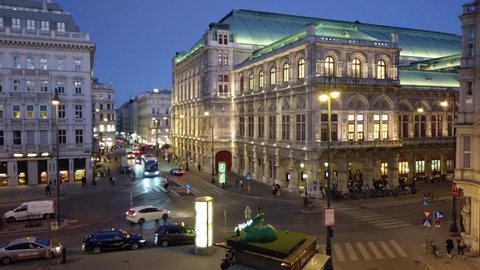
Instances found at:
x=255 y=233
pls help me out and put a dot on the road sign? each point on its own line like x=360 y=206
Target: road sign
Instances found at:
x=329 y=216
x=425 y=201
x=426 y=213
x=427 y=222
x=439 y=215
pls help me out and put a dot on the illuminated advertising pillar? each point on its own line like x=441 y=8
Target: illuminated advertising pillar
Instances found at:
x=203 y=225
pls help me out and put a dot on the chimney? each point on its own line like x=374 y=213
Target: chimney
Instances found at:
x=395 y=37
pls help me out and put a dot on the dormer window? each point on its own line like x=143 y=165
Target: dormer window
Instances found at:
x=223 y=39
x=16 y=23
x=60 y=27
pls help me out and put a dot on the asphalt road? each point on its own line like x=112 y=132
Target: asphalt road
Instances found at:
x=369 y=234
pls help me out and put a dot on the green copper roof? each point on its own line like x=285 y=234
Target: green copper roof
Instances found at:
x=263 y=28
x=447 y=63
x=428 y=79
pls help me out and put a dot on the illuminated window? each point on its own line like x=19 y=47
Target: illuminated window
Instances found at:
x=220 y=59
x=60 y=27
x=16 y=113
x=250 y=82
x=273 y=76
x=301 y=68
x=329 y=66
x=384 y=168
x=102 y=128
x=380 y=126
x=286 y=69
x=419 y=166
x=225 y=59
x=30 y=64
x=403 y=167
x=355 y=127
x=435 y=166
x=30 y=114
x=356 y=68
x=261 y=79
x=43 y=112
x=381 y=70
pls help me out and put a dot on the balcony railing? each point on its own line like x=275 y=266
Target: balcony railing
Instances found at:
x=44 y=34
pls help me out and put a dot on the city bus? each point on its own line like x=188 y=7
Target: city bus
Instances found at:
x=150 y=166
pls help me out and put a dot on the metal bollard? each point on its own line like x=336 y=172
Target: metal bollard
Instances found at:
x=64 y=254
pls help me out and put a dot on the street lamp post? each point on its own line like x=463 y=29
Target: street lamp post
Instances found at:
x=56 y=102
x=155 y=122
x=328 y=98
x=420 y=110
x=453 y=225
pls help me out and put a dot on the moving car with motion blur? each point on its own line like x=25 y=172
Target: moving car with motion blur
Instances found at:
x=176 y=172
x=143 y=213
x=112 y=239
x=28 y=248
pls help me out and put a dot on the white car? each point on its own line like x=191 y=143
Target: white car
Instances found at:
x=143 y=213
x=28 y=248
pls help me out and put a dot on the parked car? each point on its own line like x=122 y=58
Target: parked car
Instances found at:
x=176 y=172
x=174 y=234
x=143 y=213
x=138 y=160
x=125 y=169
x=31 y=210
x=28 y=248
x=112 y=239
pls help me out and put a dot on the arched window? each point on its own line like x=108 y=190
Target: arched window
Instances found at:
x=286 y=69
x=242 y=86
x=273 y=76
x=250 y=82
x=356 y=68
x=301 y=68
x=329 y=66
x=261 y=79
x=381 y=70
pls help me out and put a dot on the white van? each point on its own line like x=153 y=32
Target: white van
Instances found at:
x=37 y=209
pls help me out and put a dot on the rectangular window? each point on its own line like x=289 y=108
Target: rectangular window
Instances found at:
x=43 y=112
x=403 y=167
x=250 y=126
x=225 y=59
x=79 y=136
x=385 y=131
x=43 y=86
x=30 y=137
x=60 y=27
x=30 y=113
x=44 y=137
x=223 y=39
x=17 y=62
x=384 y=168
x=60 y=64
x=272 y=127
x=43 y=63
x=301 y=127
x=376 y=131
x=324 y=127
x=419 y=166
x=17 y=137
x=62 y=136
x=466 y=152
x=45 y=25
x=78 y=65
x=220 y=59
x=30 y=24
x=30 y=86
x=78 y=111
x=285 y=127
x=78 y=87
x=17 y=85
x=360 y=132
x=16 y=23
x=61 y=111
x=16 y=113
x=1 y=112
x=30 y=63
x=61 y=87
x=351 y=132
x=2 y=138
x=241 y=126
x=261 y=127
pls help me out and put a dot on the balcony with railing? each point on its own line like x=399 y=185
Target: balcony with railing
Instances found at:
x=44 y=34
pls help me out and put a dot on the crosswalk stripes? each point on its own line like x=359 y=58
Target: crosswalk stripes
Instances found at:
x=375 y=219
x=358 y=251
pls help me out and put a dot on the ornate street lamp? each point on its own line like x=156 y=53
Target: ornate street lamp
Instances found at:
x=212 y=148
x=328 y=98
x=414 y=167
x=56 y=102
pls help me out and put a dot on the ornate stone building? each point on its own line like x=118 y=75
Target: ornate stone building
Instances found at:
x=247 y=93
x=467 y=170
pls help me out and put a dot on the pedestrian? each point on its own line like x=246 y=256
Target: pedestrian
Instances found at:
x=460 y=246
x=84 y=181
x=47 y=190
x=199 y=167
x=113 y=180
x=236 y=181
x=449 y=245
x=241 y=182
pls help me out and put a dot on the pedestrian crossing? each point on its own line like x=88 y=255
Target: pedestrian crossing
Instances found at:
x=372 y=218
x=365 y=251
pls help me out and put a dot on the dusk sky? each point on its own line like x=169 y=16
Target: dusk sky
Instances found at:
x=136 y=39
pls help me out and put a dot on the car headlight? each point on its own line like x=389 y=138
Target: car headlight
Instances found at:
x=83 y=246
x=142 y=241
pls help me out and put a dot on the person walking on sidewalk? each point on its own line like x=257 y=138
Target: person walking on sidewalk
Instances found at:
x=449 y=245
x=461 y=246
x=47 y=190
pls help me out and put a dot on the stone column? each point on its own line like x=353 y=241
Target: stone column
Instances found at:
x=428 y=165
x=393 y=171
x=342 y=166
x=474 y=224
x=368 y=172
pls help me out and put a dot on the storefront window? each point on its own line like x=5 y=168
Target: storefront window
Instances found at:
x=3 y=174
x=79 y=168
x=22 y=173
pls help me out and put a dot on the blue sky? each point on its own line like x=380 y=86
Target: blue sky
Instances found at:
x=136 y=39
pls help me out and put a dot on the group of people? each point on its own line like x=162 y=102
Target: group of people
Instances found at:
x=276 y=188
x=228 y=260
x=449 y=245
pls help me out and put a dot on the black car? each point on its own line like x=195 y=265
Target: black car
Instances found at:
x=112 y=239
x=174 y=234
